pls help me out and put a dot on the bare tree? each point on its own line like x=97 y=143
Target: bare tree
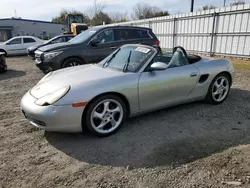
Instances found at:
x=97 y=7
x=117 y=17
x=207 y=7
x=238 y=2
x=144 y=10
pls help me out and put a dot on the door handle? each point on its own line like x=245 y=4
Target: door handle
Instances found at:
x=113 y=47
x=193 y=74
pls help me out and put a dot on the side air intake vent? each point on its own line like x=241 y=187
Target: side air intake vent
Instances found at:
x=203 y=78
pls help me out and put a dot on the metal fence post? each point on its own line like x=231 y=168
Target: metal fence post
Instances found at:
x=213 y=34
x=150 y=24
x=174 y=31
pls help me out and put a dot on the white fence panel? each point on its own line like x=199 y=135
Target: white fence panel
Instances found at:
x=219 y=31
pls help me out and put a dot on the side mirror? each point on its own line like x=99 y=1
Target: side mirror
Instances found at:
x=94 y=42
x=158 y=66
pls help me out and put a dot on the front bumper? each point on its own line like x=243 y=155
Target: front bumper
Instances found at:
x=52 y=118
x=48 y=65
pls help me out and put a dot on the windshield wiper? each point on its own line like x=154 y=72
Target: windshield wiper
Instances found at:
x=109 y=60
x=125 y=68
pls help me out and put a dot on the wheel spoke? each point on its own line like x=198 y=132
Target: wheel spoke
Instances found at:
x=222 y=81
x=117 y=109
x=216 y=92
x=98 y=115
x=102 y=125
x=220 y=95
x=225 y=88
x=106 y=106
x=217 y=85
x=113 y=122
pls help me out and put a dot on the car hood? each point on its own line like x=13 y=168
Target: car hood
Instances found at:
x=75 y=77
x=34 y=47
x=56 y=46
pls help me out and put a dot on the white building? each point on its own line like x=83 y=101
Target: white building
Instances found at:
x=10 y=27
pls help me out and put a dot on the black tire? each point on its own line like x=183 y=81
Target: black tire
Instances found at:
x=209 y=96
x=91 y=107
x=72 y=62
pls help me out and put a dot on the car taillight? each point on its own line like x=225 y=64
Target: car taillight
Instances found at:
x=157 y=42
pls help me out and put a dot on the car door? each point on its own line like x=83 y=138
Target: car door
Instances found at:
x=100 y=46
x=166 y=87
x=14 y=46
x=27 y=42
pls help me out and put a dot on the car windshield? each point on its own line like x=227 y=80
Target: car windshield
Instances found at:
x=83 y=36
x=131 y=57
x=48 y=41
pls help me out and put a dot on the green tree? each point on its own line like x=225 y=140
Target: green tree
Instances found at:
x=61 y=18
x=101 y=17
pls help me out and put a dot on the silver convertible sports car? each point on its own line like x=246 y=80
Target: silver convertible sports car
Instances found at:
x=132 y=80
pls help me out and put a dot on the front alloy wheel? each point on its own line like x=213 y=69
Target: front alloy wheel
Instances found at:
x=105 y=115
x=219 y=89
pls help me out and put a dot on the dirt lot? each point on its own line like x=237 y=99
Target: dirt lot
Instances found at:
x=193 y=145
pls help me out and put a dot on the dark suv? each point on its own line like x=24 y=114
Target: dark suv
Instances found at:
x=91 y=46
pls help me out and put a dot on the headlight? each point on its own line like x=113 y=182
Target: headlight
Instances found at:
x=46 y=76
x=52 y=97
x=51 y=54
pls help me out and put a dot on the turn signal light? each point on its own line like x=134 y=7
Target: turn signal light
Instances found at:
x=79 y=104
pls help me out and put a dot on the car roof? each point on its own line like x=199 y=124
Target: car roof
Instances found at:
x=66 y=35
x=24 y=37
x=121 y=27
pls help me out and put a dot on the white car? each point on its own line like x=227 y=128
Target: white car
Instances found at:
x=19 y=45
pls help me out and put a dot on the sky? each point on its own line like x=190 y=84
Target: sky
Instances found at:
x=47 y=9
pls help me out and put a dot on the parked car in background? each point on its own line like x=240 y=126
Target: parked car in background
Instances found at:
x=3 y=65
x=91 y=46
x=19 y=45
x=57 y=39
x=132 y=80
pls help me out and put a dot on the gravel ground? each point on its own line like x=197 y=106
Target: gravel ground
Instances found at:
x=193 y=145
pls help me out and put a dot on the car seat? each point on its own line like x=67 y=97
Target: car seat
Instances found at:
x=178 y=60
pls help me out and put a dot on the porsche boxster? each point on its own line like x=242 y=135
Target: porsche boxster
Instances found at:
x=132 y=80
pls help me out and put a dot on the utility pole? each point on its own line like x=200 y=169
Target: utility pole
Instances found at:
x=15 y=13
x=224 y=3
x=192 y=6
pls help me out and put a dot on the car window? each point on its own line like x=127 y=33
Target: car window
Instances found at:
x=83 y=36
x=28 y=40
x=127 y=34
x=69 y=38
x=105 y=36
x=15 y=41
x=58 y=40
x=141 y=33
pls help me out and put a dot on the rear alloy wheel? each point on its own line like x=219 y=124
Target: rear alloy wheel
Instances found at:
x=219 y=89
x=106 y=115
x=71 y=62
